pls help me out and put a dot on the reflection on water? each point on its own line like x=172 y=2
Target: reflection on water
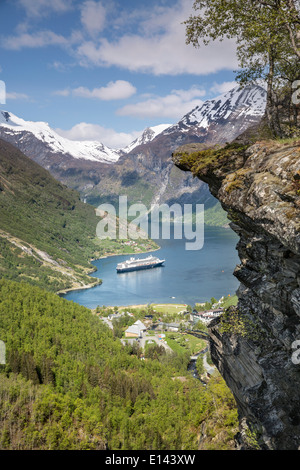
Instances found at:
x=187 y=277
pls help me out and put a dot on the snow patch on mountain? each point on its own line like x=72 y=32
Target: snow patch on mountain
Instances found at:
x=238 y=103
x=148 y=135
x=87 y=150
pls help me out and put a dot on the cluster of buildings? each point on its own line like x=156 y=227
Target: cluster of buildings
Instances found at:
x=205 y=317
x=138 y=329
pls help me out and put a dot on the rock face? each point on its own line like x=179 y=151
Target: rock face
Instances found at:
x=254 y=345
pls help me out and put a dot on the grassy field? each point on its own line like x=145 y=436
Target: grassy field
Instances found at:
x=230 y=300
x=182 y=343
x=169 y=308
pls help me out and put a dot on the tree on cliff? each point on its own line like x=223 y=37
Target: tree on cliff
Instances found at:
x=267 y=35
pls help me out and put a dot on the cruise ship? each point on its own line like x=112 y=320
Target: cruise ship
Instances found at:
x=133 y=264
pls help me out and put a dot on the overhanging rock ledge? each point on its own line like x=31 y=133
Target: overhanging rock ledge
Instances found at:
x=253 y=344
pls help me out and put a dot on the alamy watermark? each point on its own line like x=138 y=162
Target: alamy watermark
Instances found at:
x=296 y=92
x=2 y=353
x=2 y=92
x=158 y=222
x=296 y=353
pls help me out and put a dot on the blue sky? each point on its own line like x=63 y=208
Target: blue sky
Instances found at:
x=105 y=70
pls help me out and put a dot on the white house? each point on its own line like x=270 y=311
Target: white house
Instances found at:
x=136 y=330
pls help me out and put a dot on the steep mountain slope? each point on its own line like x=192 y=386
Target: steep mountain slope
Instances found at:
x=223 y=118
x=144 y=170
x=46 y=232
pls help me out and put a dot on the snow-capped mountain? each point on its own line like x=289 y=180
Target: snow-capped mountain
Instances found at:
x=147 y=136
x=216 y=121
x=21 y=131
x=238 y=108
x=144 y=169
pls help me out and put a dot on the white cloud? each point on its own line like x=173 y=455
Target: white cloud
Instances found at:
x=156 y=43
x=36 y=8
x=120 y=89
x=60 y=66
x=16 y=96
x=65 y=92
x=159 y=47
x=223 y=87
x=172 y=106
x=85 y=131
x=93 y=16
x=40 y=39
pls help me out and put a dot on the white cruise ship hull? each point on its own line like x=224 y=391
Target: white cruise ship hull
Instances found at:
x=138 y=267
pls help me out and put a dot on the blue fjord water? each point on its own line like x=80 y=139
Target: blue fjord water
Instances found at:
x=187 y=277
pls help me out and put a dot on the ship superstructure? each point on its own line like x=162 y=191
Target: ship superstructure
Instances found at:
x=135 y=264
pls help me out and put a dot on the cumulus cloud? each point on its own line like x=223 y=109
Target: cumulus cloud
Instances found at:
x=223 y=87
x=120 y=89
x=159 y=47
x=35 y=40
x=161 y=55
x=36 y=8
x=109 y=137
x=93 y=16
x=65 y=92
x=17 y=96
x=147 y=39
x=172 y=106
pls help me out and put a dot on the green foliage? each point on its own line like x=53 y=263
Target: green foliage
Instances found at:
x=232 y=322
x=229 y=300
x=205 y=161
x=69 y=384
x=221 y=421
x=200 y=326
x=184 y=344
x=39 y=210
x=215 y=216
x=154 y=351
x=200 y=366
x=251 y=439
x=266 y=35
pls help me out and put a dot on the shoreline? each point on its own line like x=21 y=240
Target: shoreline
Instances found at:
x=109 y=255
x=87 y=286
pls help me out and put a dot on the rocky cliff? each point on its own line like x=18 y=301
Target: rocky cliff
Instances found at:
x=254 y=345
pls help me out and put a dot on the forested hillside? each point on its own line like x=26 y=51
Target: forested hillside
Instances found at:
x=47 y=234
x=69 y=384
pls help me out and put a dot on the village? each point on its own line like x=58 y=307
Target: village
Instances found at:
x=186 y=318
x=175 y=328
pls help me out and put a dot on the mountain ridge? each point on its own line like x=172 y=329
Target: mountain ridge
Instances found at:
x=147 y=136
x=87 y=150
x=147 y=168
